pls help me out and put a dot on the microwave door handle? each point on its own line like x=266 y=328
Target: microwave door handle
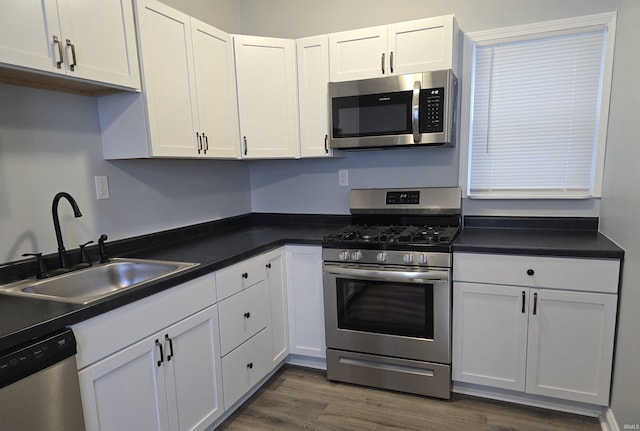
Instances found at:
x=415 y=113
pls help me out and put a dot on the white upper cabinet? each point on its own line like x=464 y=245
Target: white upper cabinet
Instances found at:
x=408 y=47
x=85 y=39
x=267 y=97
x=188 y=108
x=169 y=79
x=313 y=96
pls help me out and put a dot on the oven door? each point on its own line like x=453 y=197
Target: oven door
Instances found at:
x=396 y=312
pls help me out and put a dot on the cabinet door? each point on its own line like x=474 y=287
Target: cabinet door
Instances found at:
x=313 y=80
x=421 y=45
x=216 y=92
x=101 y=35
x=490 y=335
x=193 y=377
x=306 y=304
x=267 y=96
x=126 y=390
x=169 y=83
x=278 y=319
x=358 y=54
x=27 y=29
x=570 y=348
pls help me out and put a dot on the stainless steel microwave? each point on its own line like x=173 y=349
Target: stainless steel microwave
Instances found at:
x=395 y=111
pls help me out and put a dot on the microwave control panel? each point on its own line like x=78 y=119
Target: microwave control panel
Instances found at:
x=432 y=110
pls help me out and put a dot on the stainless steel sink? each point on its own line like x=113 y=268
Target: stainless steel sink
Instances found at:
x=90 y=284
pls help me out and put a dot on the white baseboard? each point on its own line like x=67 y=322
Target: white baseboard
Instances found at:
x=529 y=400
x=307 y=361
x=608 y=421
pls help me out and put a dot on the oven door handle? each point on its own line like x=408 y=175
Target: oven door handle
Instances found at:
x=412 y=276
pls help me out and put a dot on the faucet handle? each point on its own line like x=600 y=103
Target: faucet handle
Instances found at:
x=83 y=253
x=102 y=249
x=42 y=270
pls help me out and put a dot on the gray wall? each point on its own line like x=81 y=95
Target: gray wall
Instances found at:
x=620 y=212
x=274 y=183
x=223 y=14
x=50 y=142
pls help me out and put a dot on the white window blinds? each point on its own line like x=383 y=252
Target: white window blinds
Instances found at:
x=536 y=106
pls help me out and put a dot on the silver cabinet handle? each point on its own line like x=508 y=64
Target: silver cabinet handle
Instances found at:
x=74 y=63
x=244 y=139
x=382 y=63
x=391 y=62
x=199 y=142
x=415 y=113
x=57 y=42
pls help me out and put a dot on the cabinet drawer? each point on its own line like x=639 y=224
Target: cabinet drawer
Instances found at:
x=234 y=278
x=242 y=316
x=244 y=367
x=585 y=274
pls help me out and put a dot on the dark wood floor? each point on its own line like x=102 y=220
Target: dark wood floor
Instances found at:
x=302 y=399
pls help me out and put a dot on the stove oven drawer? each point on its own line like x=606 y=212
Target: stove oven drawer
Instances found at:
x=416 y=377
x=585 y=274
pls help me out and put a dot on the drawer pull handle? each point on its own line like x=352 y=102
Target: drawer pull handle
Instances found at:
x=535 y=303
x=250 y=365
x=170 y=355
x=530 y=272
x=524 y=298
x=268 y=266
x=247 y=315
x=161 y=353
x=245 y=275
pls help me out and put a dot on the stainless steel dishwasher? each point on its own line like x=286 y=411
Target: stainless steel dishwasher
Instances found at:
x=39 y=387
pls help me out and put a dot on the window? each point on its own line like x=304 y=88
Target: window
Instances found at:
x=538 y=105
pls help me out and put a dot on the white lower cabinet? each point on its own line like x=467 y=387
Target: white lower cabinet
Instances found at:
x=278 y=325
x=306 y=304
x=169 y=380
x=535 y=337
x=253 y=322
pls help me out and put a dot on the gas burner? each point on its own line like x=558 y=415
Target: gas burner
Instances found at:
x=394 y=234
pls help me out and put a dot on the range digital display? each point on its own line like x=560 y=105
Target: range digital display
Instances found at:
x=403 y=198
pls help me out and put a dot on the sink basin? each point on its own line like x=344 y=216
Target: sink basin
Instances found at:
x=90 y=284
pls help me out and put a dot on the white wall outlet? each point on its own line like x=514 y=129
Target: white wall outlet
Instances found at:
x=343 y=177
x=102 y=187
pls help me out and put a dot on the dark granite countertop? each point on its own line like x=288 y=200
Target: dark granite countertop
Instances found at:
x=568 y=237
x=221 y=243
x=213 y=247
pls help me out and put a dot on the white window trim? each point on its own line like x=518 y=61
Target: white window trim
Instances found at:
x=541 y=29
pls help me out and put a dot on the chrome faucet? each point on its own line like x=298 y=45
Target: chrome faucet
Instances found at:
x=62 y=253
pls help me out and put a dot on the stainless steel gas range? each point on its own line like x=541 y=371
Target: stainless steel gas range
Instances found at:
x=387 y=290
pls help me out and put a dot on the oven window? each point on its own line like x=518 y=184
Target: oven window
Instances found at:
x=382 y=307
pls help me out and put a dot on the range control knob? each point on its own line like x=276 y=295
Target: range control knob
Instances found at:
x=407 y=258
x=343 y=255
x=422 y=259
x=356 y=255
x=382 y=257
